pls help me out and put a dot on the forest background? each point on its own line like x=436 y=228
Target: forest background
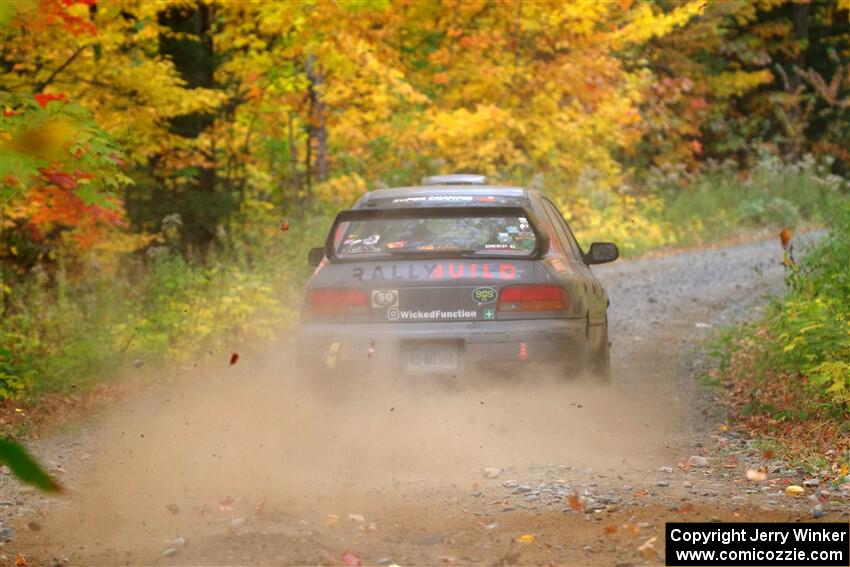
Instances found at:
x=167 y=164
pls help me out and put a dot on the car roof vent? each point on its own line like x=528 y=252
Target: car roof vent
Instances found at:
x=455 y=179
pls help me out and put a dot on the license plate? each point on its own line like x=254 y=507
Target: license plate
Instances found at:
x=437 y=358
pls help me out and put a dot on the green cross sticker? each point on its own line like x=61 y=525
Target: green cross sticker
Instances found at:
x=489 y=314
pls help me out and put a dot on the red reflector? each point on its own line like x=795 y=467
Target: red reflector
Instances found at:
x=533 y=298
x=331 y=301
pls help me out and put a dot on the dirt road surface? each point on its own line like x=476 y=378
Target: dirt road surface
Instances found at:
x=244 y=465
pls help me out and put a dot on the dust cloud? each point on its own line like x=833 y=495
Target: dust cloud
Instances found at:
x=260 y=435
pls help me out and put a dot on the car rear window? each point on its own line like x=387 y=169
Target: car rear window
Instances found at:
x=466 y=236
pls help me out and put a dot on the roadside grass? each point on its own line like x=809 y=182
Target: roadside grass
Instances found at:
x=684 y=209
x=787 y=376
x=66 y=331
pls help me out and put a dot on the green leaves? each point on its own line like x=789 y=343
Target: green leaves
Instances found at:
x=50 y=135
x=25 y=467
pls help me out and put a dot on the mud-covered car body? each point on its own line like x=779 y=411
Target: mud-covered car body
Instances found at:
x=445 y=278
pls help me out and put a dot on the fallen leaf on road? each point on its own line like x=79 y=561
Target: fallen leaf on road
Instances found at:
x=260 y=507
x=20 y=560
x=756 y=475
x=686 y=508
x=234 y=358
x=526 y=538
x=610 y=530
x=173 y=508
x=647 y=548
x=575 y=502
x=225 y=504
x=331 y=520
x=641 y=493
x=356 y=518
x=794 y=490
x=350 y=559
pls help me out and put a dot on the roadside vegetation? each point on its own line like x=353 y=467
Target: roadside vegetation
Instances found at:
x=143 y=226
x=788 y=375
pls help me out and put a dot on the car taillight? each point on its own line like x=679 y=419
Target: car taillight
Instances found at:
x=337 y=301
x=515 y=298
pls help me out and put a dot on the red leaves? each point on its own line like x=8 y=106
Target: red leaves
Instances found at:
x=75 y=25
x=234 y=358
x=44 y=98
x=60 y=179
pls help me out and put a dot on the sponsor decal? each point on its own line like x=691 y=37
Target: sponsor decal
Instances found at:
x=438 y=271
x=432 y=198
x=489 y=314
x=384 y=298
x=484 y=294
x=396 y=314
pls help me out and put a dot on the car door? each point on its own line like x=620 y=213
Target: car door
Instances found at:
x=596 y=297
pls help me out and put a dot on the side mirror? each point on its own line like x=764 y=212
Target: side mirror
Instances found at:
x=601 y=253
x=315 y=256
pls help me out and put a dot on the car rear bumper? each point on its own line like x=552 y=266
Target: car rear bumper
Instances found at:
x=496 y=344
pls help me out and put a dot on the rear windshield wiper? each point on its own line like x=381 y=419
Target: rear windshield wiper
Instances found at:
x=444 y=251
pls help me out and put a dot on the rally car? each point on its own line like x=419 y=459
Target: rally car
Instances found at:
x=451 y=276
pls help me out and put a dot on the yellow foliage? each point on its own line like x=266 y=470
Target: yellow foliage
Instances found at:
x=341 y=191
x=621 y=218
x=739 y=82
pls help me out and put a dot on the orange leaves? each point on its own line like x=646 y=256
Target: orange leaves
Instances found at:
x=575 y=502
x=57 y=206
x=440 y=78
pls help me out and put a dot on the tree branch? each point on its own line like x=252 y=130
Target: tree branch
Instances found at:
x=40 y=86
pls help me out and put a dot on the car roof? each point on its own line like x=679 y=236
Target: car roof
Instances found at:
x=380 y=198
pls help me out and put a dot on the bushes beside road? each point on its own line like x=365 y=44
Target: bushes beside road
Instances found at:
x=789 y=374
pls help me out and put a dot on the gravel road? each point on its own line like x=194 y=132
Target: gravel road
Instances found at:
x=239 y=465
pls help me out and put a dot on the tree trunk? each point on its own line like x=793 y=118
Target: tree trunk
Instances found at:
x=201 y=206
x=318 y=129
